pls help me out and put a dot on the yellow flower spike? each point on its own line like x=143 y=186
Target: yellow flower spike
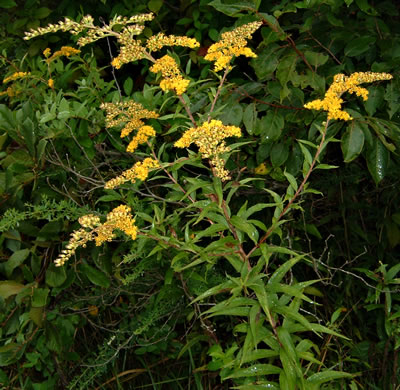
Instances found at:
x=158 y=41
x=332 y=102
x=50 y=83
x=119 y=218
x=172 y=78
x=209 y=138
x=130 y=51
x=16 y=76
x=131 y=112
x=141 y=137
x=139 y=171
x=232 y=44
x=66 y=51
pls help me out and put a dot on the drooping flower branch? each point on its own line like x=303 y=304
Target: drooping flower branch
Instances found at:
x=332 y=102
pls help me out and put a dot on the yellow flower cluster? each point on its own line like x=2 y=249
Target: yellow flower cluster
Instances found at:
x=332 y=101
x=141 y=137
x=131 y=112
x=139 y=171
x=233 y=43
x=64 y=51
x=158 y=41
x=50 y=83
x=130 y=51
x=209 y=138
x=9 y=92
x=120 y=218
x=47 y=52
x=15 y=76
x=92 y=32
x=172 y=78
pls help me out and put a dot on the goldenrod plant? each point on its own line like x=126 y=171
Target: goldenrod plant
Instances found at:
x=277 y=348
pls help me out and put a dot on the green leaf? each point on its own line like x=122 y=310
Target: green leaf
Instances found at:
x=39 y=297
x=365 y=7
x=326 y=376
x=55 y=276
x=352 y=142
x=392 y=96
x=36 y=315
x=95 y=276
x=250 y=118
x=270 y=126
x=357 y=46
x=333 y=20
x=128 y=85
x=392 y=272
x=306 y=153
x=9 y=353
x=266 y=62
x=233 y=7
x=223 y=287
x=241 y=311
x=16 y=259
x=279 y=154
x=315 y=59
x=232 y=114
x=109 y=198
x=255 y=370
x=292 y=180
x=28 y=133
x=246 y=227
x=210 y=231
x=375 y=99
x=285 y=72
x=278 y=275
x=259 y=354
x=287 y=379
x=7 y=3
x=41 y=13
x=40 y=149
x=377 y=160
x=10 y=287
x=50 y=116
x=154 y=6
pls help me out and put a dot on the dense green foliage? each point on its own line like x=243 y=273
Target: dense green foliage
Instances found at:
x=284 y=277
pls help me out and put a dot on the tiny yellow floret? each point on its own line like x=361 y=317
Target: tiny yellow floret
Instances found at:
x=332 y=102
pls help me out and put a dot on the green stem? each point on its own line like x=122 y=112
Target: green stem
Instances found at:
x=298 y=192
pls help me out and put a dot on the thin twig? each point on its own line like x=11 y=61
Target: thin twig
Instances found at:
x=217 y=93
x=325 y=48
x=187 y=110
